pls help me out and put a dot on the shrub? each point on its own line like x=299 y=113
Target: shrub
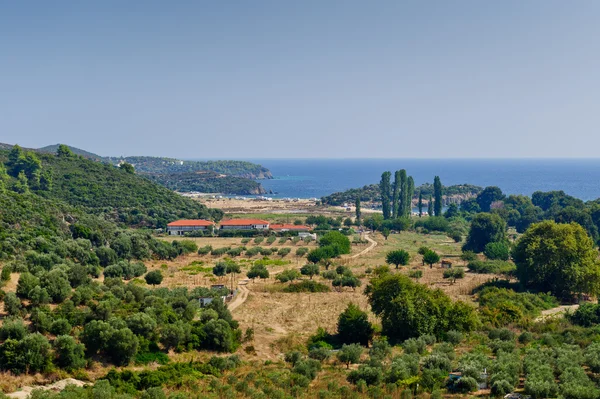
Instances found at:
x=501 y=388
x=302 y=251
x=416 y=274
x=354 y=326
x=350 y=354
x=466 y=384
x=271 y=240
x=205 y=250
x=491 y=267
x=414 y=346
x=370 y=375
x=284 y=252
x=258 y=240
x=306 y=286
x=154 y=277
x=288 y=275
x=454 y=337
x=454 y=273
x=497 y=251
x=319 y=353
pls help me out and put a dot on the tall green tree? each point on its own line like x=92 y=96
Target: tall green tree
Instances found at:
x=488 y=196
x=384 y=188
x=559 y=258
x=397 y=258
x=358 y=211
x=354 y=326
x=485 y=228
x=3 y=178
x=396 y=195
x=411 y=193
x=437 y=193
x=430 y=206
x=127 y=167
x=420 y=205
x=64 y=151
x=403 y=193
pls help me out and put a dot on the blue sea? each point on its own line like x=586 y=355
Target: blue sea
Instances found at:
x=308 y=178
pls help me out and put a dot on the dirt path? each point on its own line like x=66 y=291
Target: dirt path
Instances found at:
x=240 y=297
x=366 y=250
x=58 y=386
x=556 y=312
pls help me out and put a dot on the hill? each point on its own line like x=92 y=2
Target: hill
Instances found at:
x=207 y=182
x=51 y=149
x=116 y=195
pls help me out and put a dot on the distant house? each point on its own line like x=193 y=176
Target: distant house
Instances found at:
x=180 y=227
x=244 y=224
x=288 y=227
x=205 y=301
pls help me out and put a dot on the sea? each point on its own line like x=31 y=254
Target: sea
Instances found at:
x=315 y=178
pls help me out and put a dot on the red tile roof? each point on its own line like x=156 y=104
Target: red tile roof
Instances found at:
x=289 y=227
x=191 y=223
x=243 y=222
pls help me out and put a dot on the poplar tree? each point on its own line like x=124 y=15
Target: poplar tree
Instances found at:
x=358 y=215
x=411 y=193
x=403 y=193
x=437 y=193
x=384 y=187
x=430 y=206
x=396 y=196
x=420 y=203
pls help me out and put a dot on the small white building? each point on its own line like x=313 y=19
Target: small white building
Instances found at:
x=180 y=227
x=244 y=224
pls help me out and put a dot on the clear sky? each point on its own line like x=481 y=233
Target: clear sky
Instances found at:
x=310 y=78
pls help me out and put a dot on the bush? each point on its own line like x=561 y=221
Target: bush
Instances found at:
x=319 y=353
x=288 y=275
x=60 y=327
x=454 y=273
x=68 y=353
x=501 y=388
x=416 y=274
x=306 y=286
x=454 y=337
x=492 y=267
x=350 y=354
x=302 y=251
x=370 y=375
x=154 y=277
x=284 y=252
x=466 y=384
x=336 y=240
x=497 y=251
x=204 y=250
x=414 y=346
x=354 y=326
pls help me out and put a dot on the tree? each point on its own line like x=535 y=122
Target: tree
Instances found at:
x=411 y=193
x=21 y=185
x=56 y=283
x=403 y=194
x=559 y=258
x=430 y=206
x=358 y=211
x=68 y=353
x=454 y=273
x=310 y=269
x=258 y=270
x=396 y=195
x=485 y=228
x=3 y=178
x=154 y=277
x=431 y=257
x=398 y=257
x=12 y=304
x=322 y=255
x=127 y=167
x=488 y=196
x=384 y=188
x=220 y=269
x=385 y=232
x=452 y=211
x=497 y=250
x=350 y=354
x=63 y=151
x=437 y=193
x=408 y=309
x=354 y=326
x=420 y=204
x=336 y=240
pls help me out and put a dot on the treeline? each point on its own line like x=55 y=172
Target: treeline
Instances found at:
x=372 y=193
x=207 y=182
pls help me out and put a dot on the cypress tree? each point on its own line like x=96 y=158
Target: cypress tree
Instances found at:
x=420 y=203
x=384 y=187
x=437 y=193
x=358 y=215
x=396 y=196
x=411 y=193
x=430 y=206
x=403 y=193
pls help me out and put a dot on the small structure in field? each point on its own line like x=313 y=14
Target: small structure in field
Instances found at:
x=180 y=227
x=217 y=286
x=446 y=264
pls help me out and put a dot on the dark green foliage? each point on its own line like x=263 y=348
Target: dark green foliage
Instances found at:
x=488 y=196
x=354 y=326
x=454 y=273
x=492 y=266
x=370 y=375
x=310 y=269
x=434 y=223
x=431 y=257
x=501 y=306
x=336 y=240
x=288 y=275
x=497 y=251
x=393 y=298
x=559 y=258
x=437 y=193
x=307 y=286
x=259 y=271
x=350 y=354
x=12 y=329
x=384 y=188
x=397 y=258
x=206 y=182
x=154 y=277
x=587 y=315
x=485 y=228
x=68 y=353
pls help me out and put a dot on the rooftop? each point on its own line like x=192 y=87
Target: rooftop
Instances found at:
x=191 y=223
x=243 y=222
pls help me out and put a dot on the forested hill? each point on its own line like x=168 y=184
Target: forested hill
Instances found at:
x=159 y=165
x=372 y=193
x=51 y=149
x=99 y=189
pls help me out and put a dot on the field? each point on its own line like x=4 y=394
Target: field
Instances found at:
x=282 y=320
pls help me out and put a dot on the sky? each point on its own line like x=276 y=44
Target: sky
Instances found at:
x=303 y=79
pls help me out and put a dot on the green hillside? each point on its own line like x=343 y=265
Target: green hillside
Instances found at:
x=102 y=189
x=51 y=149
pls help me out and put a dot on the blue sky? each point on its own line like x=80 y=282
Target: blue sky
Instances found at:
x=276 y=79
